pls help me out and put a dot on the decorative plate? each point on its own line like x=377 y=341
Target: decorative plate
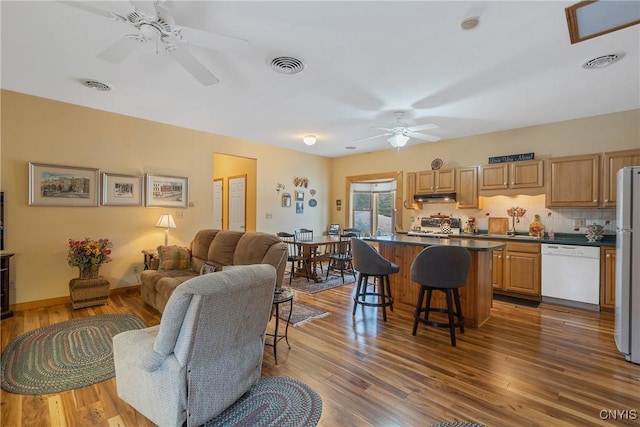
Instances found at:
x=313 y=203
x=436 y=164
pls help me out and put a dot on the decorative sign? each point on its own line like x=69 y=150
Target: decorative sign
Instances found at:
x=512 y=158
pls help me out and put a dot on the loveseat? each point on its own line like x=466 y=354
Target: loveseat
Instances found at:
x=212 y=248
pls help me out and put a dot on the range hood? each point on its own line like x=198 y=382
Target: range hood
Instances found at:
x=435 y=198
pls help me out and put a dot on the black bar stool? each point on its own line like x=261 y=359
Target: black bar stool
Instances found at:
x=440 y=268
x=368 y=262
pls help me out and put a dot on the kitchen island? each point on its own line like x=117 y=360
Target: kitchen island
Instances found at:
x=475 y=296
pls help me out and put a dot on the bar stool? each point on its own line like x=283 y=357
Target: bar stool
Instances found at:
x=280 y=296
x=368 y=262
x=440 y=268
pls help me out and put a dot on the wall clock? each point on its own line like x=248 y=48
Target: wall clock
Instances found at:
x=436 y=164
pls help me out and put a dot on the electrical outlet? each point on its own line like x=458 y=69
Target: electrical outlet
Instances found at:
x=136 y=269
x=12 y=284
x=579 y=222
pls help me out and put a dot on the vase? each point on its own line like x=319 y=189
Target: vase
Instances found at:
x=88 y=273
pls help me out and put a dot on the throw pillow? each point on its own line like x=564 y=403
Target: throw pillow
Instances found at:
x=207 y=268
x=173 y=258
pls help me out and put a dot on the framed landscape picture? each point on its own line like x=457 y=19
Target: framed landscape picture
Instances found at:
x=121 y=190
x=167 y=191
x=56 y=185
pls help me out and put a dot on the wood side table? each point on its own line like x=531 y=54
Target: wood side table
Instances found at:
x=281 y=295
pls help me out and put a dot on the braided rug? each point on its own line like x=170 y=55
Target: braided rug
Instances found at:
x=64 y=356
x=273 y=402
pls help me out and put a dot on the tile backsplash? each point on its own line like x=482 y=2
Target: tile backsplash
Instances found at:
x=558 y=220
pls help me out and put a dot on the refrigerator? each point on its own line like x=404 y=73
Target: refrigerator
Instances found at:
x=627 y=314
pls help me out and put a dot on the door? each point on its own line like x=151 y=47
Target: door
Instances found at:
x=217 y=204
x=237 y=203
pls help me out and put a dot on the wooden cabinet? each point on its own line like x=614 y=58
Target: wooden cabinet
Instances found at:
x=436 y=181
x=411 y=190
x=607 y=278
x=497 y=268
x=573 y=181
x=512 y=175
x=467 y=188
x=5 y=278
x=612 y=162
x=521 y=272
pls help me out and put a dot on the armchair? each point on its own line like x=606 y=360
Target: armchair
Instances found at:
x=205 y=353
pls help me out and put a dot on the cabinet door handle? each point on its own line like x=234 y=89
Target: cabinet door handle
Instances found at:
x=512 y=182
x=500 y=256
x=606 y=200
x=595 y=200
x=608 y=256
x=508 y=256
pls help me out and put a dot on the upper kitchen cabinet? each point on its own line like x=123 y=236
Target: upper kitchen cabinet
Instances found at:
x=612 y=163
x=467 y=188
x=527 y=174
x=409 y=203
x=573 y=181
x=436 y=181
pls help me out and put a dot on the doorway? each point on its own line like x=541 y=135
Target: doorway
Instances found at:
x=226 y=167
x=237 y=203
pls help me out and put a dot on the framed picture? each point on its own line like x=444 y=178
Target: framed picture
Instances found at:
x=299 y=196
x=56 y=185
x=299 y=207
x=167 y=191
x=121 y=190
x=286 y=200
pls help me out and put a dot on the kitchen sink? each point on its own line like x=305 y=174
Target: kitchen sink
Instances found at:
x=505 y=236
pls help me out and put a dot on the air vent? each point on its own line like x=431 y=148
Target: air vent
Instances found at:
x=96 y=85
x=602 y=61
x=287 y=65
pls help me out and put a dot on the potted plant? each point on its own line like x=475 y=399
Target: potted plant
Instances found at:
x=88 y=255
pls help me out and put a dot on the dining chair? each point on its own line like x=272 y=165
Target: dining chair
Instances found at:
x=304 y=234
x=342 y=259
x=295 y=257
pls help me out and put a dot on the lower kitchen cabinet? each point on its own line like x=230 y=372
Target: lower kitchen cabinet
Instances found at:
x=607 y=278
x=497 y=268
x=520 y=270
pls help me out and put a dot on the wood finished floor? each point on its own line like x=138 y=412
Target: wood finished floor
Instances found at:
x=546 y=366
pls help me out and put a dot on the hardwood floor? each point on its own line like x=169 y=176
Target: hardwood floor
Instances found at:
x=546 y=366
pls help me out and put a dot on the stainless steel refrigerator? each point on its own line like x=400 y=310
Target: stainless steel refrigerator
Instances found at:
x=627 y=327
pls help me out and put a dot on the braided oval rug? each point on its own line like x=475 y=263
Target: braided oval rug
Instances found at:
x=273 y=402
x=63 y=356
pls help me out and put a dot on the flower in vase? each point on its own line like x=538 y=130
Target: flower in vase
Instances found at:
x=89 y=253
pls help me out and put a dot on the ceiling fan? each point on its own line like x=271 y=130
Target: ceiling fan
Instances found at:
x=399 y=133
x=159 y=28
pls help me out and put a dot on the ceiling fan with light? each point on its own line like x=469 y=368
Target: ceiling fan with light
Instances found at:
x=160 y=28
x=399 y=133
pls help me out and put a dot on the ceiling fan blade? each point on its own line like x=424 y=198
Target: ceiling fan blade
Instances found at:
x=372 y=137
x=381 y=128
x=423 y=136
x=163 y=14
x=118 y=51
x=213 y=41
x=425 y=126
x=88 y=7
x=193 y=66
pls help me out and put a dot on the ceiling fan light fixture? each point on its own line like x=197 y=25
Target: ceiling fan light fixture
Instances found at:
x=309 y=139
x=98 y=86
x=469 y=23
x=398 y=140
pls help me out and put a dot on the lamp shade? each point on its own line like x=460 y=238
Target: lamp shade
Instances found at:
x=166 y=221
x=398 y=140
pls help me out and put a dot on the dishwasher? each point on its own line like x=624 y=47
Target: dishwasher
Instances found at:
x=571 y=273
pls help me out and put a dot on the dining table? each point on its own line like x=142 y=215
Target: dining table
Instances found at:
x=315 y=251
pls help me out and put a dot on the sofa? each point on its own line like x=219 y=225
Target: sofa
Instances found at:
x=213 y=249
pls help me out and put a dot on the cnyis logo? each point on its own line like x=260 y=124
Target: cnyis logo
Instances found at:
x=619 y=414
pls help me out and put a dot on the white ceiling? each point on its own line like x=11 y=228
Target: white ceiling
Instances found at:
x=364 y=60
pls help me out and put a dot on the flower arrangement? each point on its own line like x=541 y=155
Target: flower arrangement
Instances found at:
x=515 y=213
x=89 y=254
x=470 y=225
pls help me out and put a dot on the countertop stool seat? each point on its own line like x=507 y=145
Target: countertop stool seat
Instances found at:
x=445 y=269
x=369 y=263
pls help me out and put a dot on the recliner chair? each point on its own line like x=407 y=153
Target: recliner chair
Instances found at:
x=205 y=353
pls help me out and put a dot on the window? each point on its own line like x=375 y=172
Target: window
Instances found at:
x=373 y=207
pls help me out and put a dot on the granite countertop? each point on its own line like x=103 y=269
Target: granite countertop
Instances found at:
x=560 y=238
x=471 y=244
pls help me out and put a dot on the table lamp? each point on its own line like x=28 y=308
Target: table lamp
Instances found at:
x=166 y=221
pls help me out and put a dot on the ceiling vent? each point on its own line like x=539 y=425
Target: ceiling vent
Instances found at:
x=602 y=61
x=287 y=65
x=96 y=85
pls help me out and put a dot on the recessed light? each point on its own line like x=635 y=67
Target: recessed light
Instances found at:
x=469 y=23
x=309 y=139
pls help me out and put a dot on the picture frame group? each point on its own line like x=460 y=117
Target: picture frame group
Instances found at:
x=58 y=185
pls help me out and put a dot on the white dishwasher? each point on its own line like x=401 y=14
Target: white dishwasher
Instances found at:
x=571 y=272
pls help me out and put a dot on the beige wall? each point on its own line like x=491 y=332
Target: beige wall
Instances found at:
x=45 y=131
x=609 y=132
